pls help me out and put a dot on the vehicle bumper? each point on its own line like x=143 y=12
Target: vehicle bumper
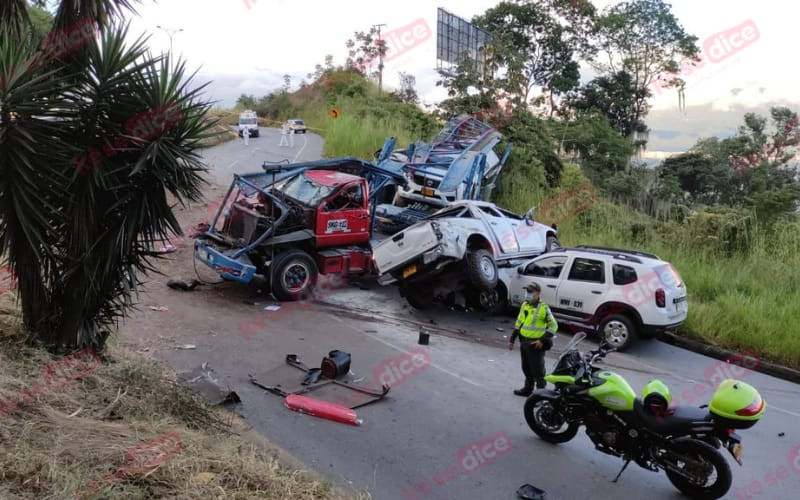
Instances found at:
x=226 y=267
x=653 y=330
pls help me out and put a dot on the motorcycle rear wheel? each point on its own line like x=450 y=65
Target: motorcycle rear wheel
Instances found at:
x=547 y=422
x=705 y=453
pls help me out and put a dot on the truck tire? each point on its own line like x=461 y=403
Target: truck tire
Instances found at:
x=293 y=274
x=482 y=269
x=552 y=245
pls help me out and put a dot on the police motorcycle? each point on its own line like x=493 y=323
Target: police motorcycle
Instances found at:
x=682 y=440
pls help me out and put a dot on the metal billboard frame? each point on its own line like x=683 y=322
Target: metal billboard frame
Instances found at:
x=455 y=38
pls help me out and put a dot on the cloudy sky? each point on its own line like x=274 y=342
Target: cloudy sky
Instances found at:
x=245 y=46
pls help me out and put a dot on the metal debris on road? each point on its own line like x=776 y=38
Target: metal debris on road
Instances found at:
x=529 y=492
x=188 y=347
x=500 y=329
x=183 y=284
x=206 y=382
x=159 y=308
x=273 y=308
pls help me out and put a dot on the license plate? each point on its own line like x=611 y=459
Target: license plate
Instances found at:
x=427 y=192
x=409 y=271
x=737 y=452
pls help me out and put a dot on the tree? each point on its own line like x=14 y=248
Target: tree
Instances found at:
x=617 y=98
x=287 y=82
x=93 y=134
x=407 y=92
x=643 y=39
x=246 y=102
x=364 y=50
x=537 y=43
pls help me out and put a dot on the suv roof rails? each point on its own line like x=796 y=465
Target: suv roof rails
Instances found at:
x=618 y=251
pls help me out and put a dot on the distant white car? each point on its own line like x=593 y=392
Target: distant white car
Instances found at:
x=621 y=294
x=475 y=235
x=296 y=126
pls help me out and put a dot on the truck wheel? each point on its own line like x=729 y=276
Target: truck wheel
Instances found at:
x=417 y=298
x=618 y=331
x=552 y=245
x=482 y=269
x=294 y=275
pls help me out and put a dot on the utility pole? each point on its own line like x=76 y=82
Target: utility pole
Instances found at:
x=380 y=57
x=169 y=33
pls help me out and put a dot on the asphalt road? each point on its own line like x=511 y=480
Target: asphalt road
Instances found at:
x=424 y=439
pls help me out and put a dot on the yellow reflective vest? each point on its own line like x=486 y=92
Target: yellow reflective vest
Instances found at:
x=534 y=321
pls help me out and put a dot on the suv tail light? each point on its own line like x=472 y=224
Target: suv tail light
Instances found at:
x=661 y=298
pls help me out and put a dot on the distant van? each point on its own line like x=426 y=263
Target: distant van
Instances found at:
x=248 y=120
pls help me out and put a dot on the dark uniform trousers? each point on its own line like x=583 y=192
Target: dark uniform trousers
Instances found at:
x=533 y=363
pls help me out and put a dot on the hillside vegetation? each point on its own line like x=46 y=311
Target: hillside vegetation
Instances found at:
x=742 y=273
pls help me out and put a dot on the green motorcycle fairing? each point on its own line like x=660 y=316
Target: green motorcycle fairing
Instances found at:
x=560 y=379
x=612 y=391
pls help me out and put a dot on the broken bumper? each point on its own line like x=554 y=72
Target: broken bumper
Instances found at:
x=226 y=267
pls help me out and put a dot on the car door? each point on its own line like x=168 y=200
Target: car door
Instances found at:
x=546 y=272
x=583 y=288
x=343 y=218
x=501 y=229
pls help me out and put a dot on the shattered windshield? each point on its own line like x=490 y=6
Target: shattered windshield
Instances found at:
x=304 y=190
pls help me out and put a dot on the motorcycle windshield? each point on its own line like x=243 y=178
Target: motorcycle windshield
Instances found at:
x=571 y=345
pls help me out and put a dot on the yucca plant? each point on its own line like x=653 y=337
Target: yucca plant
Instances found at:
x=94 y=132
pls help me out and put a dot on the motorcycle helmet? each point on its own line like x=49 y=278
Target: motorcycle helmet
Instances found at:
x=656 y=396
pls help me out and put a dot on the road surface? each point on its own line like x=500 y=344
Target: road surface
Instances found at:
x=450 y=426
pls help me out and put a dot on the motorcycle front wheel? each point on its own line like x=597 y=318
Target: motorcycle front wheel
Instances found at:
x=547 y=422
x=712 y=472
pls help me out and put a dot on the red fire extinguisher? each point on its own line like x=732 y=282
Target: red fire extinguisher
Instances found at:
x=322 y=409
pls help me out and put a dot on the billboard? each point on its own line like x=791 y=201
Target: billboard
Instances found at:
x=456 y=39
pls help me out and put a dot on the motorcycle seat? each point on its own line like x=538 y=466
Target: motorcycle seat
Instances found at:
x=674 y=421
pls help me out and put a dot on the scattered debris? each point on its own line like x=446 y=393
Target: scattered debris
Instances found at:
x=500 y=329
x=273 y=308
x=322 y=409
x=780 y=434
x=462 y=331
x=159 y=308
x=312 y=376
x=371 y=331
x=183 y=285
x=279 y=381
x=432 y=322
x=424 y=337
x=528 y=492
x=206 y=382
x=188 y=347
x=336 y=364
x=168 y=248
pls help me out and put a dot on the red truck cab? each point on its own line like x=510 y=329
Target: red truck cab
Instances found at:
x=342 y=218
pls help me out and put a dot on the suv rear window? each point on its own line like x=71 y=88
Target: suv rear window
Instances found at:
x=623 y=275
x=588 y=270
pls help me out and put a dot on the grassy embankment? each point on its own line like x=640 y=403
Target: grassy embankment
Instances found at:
x=73 y=439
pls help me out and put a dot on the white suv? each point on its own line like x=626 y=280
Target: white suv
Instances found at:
x=621 y=294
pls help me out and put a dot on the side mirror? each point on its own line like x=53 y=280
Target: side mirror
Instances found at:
x=520 y=269
x=528 y=218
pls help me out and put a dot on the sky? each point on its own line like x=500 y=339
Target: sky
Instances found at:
x=245 y=46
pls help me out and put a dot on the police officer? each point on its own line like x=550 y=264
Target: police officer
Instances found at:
x=536 y=328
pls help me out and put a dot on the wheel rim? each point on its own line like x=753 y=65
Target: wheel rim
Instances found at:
x=701 y=476
x=616 y=332
x=487 y=268
x=548 y=418
x=488 y=298
x=295 y=278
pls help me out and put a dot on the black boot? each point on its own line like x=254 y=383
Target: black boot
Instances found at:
x=527 y=390
x=541 y=384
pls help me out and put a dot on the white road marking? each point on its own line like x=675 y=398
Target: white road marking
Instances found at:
x=305 y=143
